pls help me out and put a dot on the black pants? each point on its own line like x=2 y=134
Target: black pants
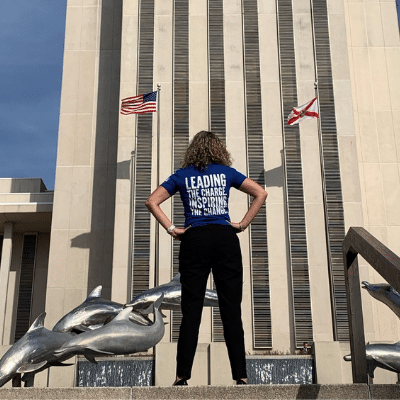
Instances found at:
x=206 y=248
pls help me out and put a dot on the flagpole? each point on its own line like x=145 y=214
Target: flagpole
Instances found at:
x=157 y=242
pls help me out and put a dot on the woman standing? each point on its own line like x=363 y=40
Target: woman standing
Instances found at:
x=208 y=243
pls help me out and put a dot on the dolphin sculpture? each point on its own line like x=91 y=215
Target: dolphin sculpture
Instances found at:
x=381 y=355
x=386 y=294
x=120 y=336
x=172 y=296
x=93 y=313
x=33 y=352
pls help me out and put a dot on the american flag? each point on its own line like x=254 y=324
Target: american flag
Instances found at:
x=143 y=103
x=306 y=111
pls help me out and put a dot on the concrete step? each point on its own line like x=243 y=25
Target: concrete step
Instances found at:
x=254 y=392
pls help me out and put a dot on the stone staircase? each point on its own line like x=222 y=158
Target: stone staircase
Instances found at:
x=254 y=392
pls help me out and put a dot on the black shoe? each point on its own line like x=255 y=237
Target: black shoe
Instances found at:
x=181 y=382
x=241 y=382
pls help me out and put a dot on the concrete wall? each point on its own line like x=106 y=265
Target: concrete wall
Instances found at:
x=374 y=54
x=83 y=218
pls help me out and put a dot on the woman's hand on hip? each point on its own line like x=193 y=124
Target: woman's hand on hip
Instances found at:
x=237 y=227
x=177 y=232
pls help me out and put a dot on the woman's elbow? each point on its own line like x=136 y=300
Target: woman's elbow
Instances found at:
x=149 y=204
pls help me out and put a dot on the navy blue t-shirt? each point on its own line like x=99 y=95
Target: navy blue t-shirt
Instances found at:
x=205 y=193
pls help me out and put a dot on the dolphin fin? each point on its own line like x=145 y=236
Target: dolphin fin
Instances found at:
x=96 y=350
x=39 y=322
x=95 y=293
x=90 y=358
x=177 y=277
x=31 y=367
x=124 y=314
x=155 y=306
x=158 y=302
x=148 y=310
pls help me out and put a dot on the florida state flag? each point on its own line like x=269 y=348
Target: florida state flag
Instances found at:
x=306 y=111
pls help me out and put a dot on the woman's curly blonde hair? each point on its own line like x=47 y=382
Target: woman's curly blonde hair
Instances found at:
x=206 y=148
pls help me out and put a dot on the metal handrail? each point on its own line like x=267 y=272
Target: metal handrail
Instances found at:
x=387 y=264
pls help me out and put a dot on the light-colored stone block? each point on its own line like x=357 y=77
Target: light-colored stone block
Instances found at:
x=269 y=67
x=165 y=361
x=304 y=48
x=87 y=81
x=63 y=377
x=83 y=139
x=89 y=28
x=393 y=61
x=339 y=47
x=233 y=61
x=368 y=138
x=220 y=368
x=362 y=78
x=328 y=373
x=374 y=200
x=198 y=60
x=69 y=92
x=358 y=31
x=374 y=24
x=349 y=172
x=345 y=114
x=386 y=137
x=391 y=192
x=130 y=7
x=73 y=27
x=198 y=7
x=271 y=110
x=390 y=24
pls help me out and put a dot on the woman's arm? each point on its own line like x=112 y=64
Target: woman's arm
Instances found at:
x=153 y=205
x=259 y=195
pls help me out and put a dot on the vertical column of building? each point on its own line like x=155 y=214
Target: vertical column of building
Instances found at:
x=255 y=152
x=5 y=264
x=282 y=324
x=69 y=249
x=217 y=125
x=235 y=121
x=180 y=124
x=83 y=212
x=163 y=74
x=332 y=188
x=311 y=175
x=143 y=153
x=298 y=254
x=124 y=199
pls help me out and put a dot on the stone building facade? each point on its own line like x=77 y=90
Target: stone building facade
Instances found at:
x=237 y=68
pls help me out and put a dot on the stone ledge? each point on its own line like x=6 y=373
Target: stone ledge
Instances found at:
x=254 y=392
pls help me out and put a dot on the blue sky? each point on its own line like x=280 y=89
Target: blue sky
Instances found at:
x=31 y=52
